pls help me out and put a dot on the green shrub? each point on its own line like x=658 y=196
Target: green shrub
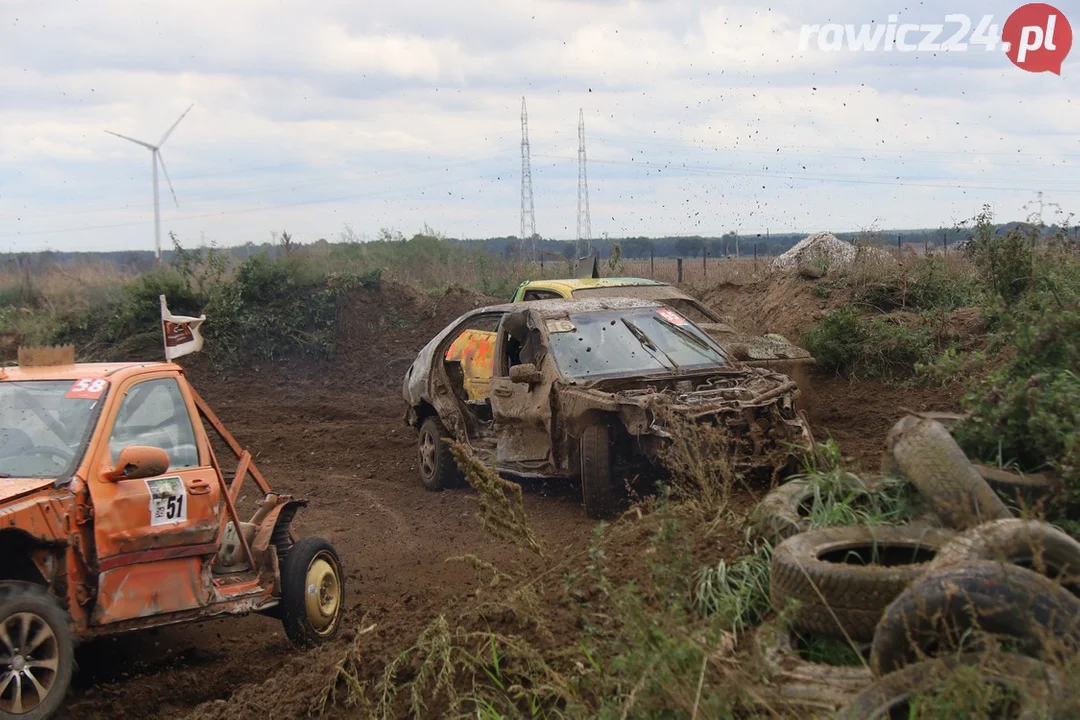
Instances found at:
x=1004 y=259
x=930 y=283
x=951 y=366
x=1027 y=410
x=274 y=308
x=268 y=309
x=847 y=344
x=836 y=341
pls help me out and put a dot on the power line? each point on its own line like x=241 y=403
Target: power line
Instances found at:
x=216 y=195
x=863 y=180
x=260 y=208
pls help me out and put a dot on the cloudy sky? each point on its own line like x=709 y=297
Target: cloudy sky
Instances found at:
x=701 y=117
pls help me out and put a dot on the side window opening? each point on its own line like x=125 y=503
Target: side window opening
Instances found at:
x=153 y=413
x=541 y=295
x=522 y=344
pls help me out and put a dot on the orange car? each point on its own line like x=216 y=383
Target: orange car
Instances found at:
x=117 y=516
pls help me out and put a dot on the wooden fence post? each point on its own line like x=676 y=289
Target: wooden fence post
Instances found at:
x=678 y=265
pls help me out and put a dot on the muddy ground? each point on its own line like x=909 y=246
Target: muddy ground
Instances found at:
x=333 y=432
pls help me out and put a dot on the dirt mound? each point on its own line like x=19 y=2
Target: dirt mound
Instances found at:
x=782 y=304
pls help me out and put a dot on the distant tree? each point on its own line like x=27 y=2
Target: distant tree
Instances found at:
x=638 y=247
x=689 y=246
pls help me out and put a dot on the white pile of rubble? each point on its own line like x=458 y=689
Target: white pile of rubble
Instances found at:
x=821 y=249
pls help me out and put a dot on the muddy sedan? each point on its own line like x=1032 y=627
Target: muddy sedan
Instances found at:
x=580 y=390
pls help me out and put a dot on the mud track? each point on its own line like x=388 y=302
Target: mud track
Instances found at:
x=333 y=432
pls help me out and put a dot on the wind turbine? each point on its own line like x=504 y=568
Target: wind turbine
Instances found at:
x=155 y=159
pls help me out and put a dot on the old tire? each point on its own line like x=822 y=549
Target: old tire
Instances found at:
x=596 y=471
x=925 y=452
x=891 y=696
x=312 y=592
x=438 y=470
x=779 y=515
x=42 y=647
x=804 y=684
x=833 y=576
x=1030 y=544
x=939 y=611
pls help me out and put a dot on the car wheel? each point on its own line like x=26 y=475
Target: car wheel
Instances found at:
x=38 y=652
x=438 y=470
x=596 y=480
x=312 y=592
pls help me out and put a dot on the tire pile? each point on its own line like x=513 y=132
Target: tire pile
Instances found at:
x=921 y=599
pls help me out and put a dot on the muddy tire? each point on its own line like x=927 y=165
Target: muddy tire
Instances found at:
x=597 y=489
x=438 y=471
x=891 y=696
x=777 y=517
x=925 y=452
x=1030 y=544
x=936 y=615
x=779 y=514
x=800 y=682
x=829 y=573
x=312 y=592
x=42 y=646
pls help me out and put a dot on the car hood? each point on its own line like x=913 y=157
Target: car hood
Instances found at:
x=15 y=488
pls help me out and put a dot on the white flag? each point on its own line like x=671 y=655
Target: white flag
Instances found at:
x=182 y=335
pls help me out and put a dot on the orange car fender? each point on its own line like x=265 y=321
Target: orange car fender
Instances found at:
x=42 y=518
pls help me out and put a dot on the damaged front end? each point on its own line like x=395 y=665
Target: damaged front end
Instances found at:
x=756 y=409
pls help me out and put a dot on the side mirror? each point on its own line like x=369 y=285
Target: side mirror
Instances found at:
x=136 y=462
x=526 y=373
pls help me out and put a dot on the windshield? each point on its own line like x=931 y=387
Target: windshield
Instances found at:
x=42 y=429
x=614 y=343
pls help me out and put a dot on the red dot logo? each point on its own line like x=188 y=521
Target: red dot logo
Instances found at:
x=1037 y=38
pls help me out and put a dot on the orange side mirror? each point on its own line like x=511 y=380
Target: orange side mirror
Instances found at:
x=138 y=461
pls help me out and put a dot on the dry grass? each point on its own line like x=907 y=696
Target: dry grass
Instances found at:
x=45 y=285
x=698 y=461
x=502 y=511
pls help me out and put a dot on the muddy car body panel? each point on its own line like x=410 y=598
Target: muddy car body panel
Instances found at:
x=561 y=366
x=114 y=506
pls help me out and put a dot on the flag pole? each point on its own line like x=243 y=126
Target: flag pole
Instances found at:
x=164 y=334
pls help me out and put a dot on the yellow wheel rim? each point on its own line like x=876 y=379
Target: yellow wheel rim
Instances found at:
x=322 y=594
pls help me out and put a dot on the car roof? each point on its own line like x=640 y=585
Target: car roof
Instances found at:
x=561 y=307
x=571 y=284
x=78 y=371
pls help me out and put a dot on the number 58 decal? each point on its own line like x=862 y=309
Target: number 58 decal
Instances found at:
x=87 y=389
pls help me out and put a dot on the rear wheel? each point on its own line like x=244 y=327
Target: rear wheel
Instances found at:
x=596 y=474
x=37 y=652
x=438 y=470
x=312 y=592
